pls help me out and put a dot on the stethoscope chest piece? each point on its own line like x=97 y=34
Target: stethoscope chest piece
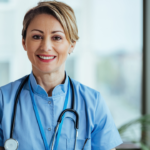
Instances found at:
x=11 y=144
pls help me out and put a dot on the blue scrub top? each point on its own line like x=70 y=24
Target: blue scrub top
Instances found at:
x=95 y=121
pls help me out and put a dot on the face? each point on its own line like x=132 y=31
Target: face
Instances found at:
x=46 y=44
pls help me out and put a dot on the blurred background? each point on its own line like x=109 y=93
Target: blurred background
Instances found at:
x=108 y=56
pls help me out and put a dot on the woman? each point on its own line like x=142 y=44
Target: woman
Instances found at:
x=49 y=34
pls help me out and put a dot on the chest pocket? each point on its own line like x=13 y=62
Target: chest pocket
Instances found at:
x=81 y=144
x=62 y=143
x=67 y=138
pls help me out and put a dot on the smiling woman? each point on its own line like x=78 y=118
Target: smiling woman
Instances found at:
x=47 y=48
x=49 y=34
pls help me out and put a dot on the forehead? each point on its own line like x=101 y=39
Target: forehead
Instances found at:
x=45 y=22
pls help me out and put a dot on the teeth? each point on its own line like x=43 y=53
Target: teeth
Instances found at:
x=43 y=57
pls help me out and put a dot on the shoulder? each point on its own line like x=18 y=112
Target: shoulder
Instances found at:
x=7 y=95
x=85 y=89
x=93 y=102
x=90 y=96
x=11 y=85
x=9 y=90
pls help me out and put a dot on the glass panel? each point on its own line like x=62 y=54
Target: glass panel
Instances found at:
x=70 y=67
x=4 y=73
x=109 y=55
x=118 y=44
x=4 y=0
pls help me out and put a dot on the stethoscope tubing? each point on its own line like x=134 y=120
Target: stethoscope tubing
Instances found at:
x=70 y=110
x=60 y=117
x=15 y=105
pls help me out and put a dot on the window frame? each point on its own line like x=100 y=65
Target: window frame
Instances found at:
x=146 y=64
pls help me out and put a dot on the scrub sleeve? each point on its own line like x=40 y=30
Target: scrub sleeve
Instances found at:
x=104 y=135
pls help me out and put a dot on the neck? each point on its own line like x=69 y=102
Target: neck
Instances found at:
x=48 y=81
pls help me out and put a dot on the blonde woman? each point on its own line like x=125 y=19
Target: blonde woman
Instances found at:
x=30 y=121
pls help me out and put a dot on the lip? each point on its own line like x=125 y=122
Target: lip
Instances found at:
x=46 y=60
x=45 y=55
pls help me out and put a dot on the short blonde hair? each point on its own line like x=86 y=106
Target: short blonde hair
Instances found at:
x=61 y=11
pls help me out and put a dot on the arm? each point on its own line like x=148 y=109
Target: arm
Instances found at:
x=104 y=128
x=1 y=148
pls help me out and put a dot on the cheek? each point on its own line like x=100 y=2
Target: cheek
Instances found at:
x=31 y=49
x=32 y=46
x=63 y=49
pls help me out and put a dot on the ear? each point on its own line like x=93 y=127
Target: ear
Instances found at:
x=24 y=44
x=72 y=47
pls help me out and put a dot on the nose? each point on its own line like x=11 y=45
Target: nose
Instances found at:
x=46 y=44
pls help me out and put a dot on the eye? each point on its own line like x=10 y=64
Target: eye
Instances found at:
x=37 y=37
x=57 y=38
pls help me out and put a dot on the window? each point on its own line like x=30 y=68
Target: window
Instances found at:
x=4 y=73
x=109 y=55
x=4 y=0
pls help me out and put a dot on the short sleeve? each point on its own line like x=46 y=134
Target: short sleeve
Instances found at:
x=105 y=135
x=1 y=114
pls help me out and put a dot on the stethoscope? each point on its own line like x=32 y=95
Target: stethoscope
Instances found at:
x=12 y=144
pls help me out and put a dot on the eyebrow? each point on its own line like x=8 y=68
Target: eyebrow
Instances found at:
x=51 y=32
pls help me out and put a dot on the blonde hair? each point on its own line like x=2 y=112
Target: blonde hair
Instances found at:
x=61 y=11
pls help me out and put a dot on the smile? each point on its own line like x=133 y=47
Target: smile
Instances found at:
x=46 y=58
